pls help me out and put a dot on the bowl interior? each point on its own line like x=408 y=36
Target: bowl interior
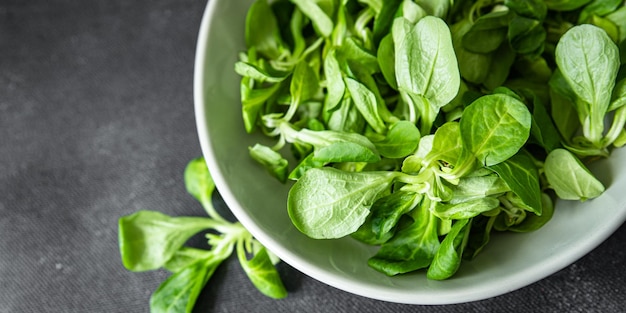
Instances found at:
x=509 y=262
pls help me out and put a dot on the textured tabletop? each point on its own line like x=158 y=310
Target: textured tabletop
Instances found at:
x=96 y=122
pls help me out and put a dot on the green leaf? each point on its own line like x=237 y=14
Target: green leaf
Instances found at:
x=426 y=64
x=488 y=32
x=262 y=30
x=533 y=222
x=358 y=57
x=386 y=212
x=543 y=128
x=253 y=101
x=345 y=152
x=520 y=174
x=563 y=110
x=334 y=81
x=495 y=127
x=273 y=161
x=588 y=75
x=186 y=256
x=464 y=210
x=322 y=23
x=329 y=203
x=401 y=140
x=258 y=74
x=366 y=103
x=384 y=20
x=618 y=17
x=535 y=9
x=565 y=5
x=448 y=258
x=179 y=292
x=598 y=8
x=261 y=272
x=476 y=187
x=526 y=35
x=446 y=145
x=569 y=178
x=386 y=61
x=199 y=183
x=304 y=84
x=149 y=239
x=480 y=234
x=412 y=248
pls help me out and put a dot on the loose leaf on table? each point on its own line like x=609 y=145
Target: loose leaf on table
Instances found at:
x=199 y=183
x=569 y=178
x=261 y=271
x=178 y=293
x=148 y=239
x=329 y=203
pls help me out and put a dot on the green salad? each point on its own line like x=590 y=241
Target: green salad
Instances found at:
x=423 y=127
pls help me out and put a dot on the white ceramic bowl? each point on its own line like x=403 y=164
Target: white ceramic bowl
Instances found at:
x=509 y=262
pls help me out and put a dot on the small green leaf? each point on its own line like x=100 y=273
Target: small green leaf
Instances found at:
x=257 y=73
x=329 y=203
x=273 y=161
x=464 y=210
x=569 y=178
x=520 y=174
x=261 y=272
x=448 y=258
x=322 y=23
x=262 y=30
x=149 y=239
x=412 y=248
x=366 y=103
x=488 y=32
x=495 y=127
x=401 y=140
x=345 y=152
x=179 y=292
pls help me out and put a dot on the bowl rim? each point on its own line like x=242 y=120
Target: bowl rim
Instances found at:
x=517 y=281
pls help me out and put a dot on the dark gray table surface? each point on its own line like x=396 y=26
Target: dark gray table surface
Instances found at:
x=96 y=121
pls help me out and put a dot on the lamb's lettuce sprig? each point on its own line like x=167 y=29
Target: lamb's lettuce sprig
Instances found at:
x=151 y=240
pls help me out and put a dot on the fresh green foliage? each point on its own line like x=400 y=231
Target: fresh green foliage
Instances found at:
x=149 y=240
x=424 y=127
